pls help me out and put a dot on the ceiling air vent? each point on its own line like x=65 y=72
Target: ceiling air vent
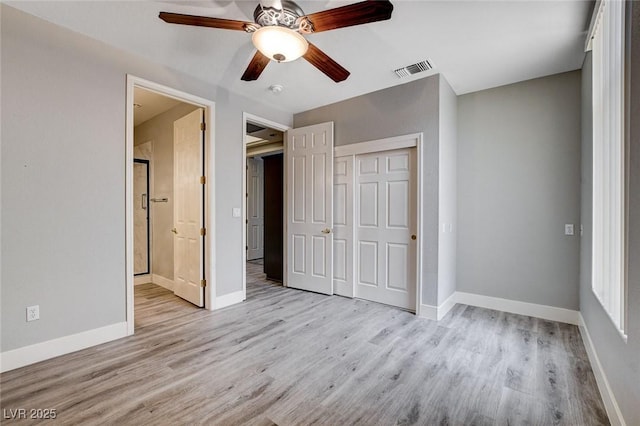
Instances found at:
x=414 y=69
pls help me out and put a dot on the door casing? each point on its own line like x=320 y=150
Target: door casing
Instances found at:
x=247 y=117
x=209 y=135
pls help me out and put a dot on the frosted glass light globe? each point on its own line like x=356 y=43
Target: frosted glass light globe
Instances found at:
x=280 y=44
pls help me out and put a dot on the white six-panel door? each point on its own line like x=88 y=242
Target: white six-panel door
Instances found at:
x=255 y=208
x=188 y=207
x=385 y=213
x=343 y=226
x=309 y=172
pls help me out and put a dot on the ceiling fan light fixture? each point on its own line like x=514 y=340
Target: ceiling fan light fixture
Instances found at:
x=280 y=44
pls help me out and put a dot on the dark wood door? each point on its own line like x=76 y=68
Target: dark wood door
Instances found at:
x=273 y=213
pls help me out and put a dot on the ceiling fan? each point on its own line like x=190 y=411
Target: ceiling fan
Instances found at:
x=277 y=32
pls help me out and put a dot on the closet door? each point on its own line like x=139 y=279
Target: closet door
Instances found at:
x=343 y=226
x=385 y=227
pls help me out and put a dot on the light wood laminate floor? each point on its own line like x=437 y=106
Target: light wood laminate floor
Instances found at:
x=290 y=357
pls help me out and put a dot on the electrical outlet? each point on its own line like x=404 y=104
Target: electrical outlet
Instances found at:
x=33 y=313
x=568 y=229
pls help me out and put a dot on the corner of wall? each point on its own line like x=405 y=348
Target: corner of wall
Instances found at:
x=447 y=190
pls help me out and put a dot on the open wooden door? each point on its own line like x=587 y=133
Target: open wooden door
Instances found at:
x=188 y=207
x=310 y=208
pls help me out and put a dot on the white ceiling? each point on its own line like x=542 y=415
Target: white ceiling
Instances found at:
x=150 y=105
x=475 y=44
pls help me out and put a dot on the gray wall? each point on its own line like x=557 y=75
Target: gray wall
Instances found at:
x=62 y=175
x=518 y=184
x=159 y=131
x=400 y=110
x=447 y=200
x=620 y=360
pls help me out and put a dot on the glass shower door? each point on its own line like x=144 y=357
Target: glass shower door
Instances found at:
x=141 y=262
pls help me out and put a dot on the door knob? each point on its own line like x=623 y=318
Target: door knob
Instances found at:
x=174 y=230
x=326 y=231
x=413 y=237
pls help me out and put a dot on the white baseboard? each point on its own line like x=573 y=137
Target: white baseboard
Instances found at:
x=521 y=308
x=16 y=358
x=445 y=307
x=428 y=311
x=436 y=313
x=162 y=281
x=609 y=400
x=142 y=279
x=228 y=299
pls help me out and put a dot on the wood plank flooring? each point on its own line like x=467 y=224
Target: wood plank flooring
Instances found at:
x=289 y=357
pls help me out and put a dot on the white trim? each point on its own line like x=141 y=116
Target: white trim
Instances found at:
x=436 y=313
x=142 y=279
x=429 y=312
x=551 y=313
x=209 y=134
x=229 y=299
x=446 y=306
x=276 y=126
x=379 y=145
x=419 y=228
x=608 y=398
x=16 y=358
x=521 y=308
x=162 y=281
x=593 y=25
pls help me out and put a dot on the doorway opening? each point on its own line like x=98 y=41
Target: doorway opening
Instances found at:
x=169 y=249
x=263 y=210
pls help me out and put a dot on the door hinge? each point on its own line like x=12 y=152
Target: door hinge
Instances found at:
x=203 y=126
x=203 y=231
x=246 y=221
x=246 y=247
x=203 y=283
x=203 y=180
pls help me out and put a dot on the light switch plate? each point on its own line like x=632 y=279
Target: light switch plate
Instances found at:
x=235 y=212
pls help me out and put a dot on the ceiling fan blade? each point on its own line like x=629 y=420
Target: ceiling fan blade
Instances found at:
x=353 y=14
x=203 y=21
x=256 y=66
x=324 y=63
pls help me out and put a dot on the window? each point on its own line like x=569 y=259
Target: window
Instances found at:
x=609 y=211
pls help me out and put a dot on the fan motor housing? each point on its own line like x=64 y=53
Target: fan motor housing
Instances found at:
x=287 y=17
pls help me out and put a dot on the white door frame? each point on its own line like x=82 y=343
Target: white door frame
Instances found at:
x=388 y=144
x=276 y=126
x=209 y=140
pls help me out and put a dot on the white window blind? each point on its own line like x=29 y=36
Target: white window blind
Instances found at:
x=609 y=260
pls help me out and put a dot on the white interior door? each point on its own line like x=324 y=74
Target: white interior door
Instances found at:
x=386 y=220
x=309 y=174
x=255 y=208
x=188 y=207
x=343 y=226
